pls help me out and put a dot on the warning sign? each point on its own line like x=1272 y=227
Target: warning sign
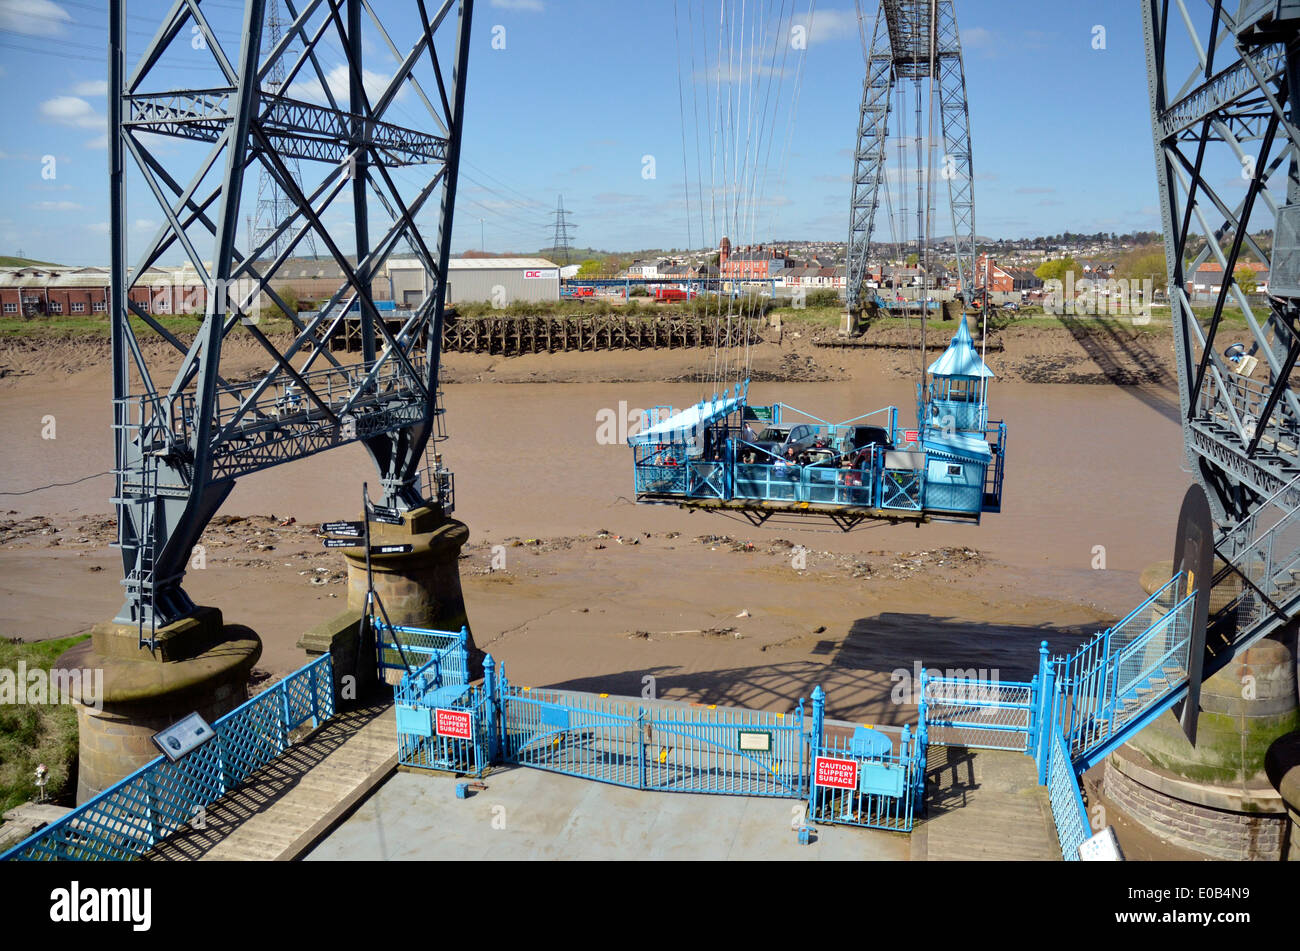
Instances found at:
x=911 y=435
x=456 y=724
x=836 y=773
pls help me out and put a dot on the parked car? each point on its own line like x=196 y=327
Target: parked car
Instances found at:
x=777 y=439
x=861 y=437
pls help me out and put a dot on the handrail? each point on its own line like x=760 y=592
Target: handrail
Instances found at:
x=119 y=823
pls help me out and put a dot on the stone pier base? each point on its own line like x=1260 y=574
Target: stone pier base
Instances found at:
x=200 y=665
x=420 y=588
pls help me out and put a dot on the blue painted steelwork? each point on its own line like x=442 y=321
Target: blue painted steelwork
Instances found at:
x=591 y=737
x=889 y=783
x=440 y=684
x=1110 y=682
x=418 y=644
x=953 y=464
x=883 y=798
x=981 y=714
x=733 y=752
x=421 y=744
x=1068 y=811
x=132 y=816
x=1079 y=708
x=729 y=752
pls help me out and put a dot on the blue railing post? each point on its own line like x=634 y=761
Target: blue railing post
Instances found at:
x=1046 y=699
x=729 y=475
x=799 y=738
x=314 y=674
x=284 y=715
x=818 y=717
x=640 y=747
x=489 y=688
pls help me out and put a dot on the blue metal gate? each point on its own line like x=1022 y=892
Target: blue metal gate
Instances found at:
x=981 y=714
x=579 y=736
x=442 y=722
x=865 y=781
x=734 y=752
x=672 y=749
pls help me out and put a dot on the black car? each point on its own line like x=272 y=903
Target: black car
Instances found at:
x=863 y=437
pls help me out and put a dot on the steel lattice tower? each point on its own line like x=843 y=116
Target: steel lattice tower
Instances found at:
x=1224 y=85
x=183 y=436
x=562 y=240
x=273 y=205
x=914 y=42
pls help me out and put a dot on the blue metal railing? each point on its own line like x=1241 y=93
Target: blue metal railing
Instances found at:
x=132 y=816
x=670 y=749
x=595 y=738
x=885 y=795
x=1068 y=812
x=418 y=645
x=1109 y=683
x=979 y=714
x=442 y=722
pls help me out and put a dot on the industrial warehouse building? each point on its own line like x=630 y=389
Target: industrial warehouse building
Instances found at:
x=471 y=280
x=57 y=291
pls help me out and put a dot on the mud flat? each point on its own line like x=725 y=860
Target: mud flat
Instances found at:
x=599 y=593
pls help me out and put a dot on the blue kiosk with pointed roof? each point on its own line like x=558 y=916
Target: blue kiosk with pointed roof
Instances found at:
x=964 y=450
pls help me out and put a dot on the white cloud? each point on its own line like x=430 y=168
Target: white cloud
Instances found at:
x=144 y=224
x=98 y=142
x=825 y=26
x=72 y=110
x=338 y=79
x=533 y=6
x=977 y=37
x=56 y=206
x=34 y=17
x=97 y=227
x=91 y=87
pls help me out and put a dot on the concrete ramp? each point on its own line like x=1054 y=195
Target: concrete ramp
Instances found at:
x=284 y=808
x=984 y=805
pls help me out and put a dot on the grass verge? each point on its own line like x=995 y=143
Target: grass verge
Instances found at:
x=31 y=734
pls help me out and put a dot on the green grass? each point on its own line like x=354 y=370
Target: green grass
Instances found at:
x=96 y=325
x=7 y=261
x=34 y=734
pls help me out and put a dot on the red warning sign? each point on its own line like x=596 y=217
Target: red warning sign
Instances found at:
x=836 y=773
x=456 y=724
x=911 y=435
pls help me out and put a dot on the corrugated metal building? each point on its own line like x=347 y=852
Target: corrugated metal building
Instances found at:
x=496 y=280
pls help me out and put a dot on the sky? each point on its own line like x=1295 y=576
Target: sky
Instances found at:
x=582 y=98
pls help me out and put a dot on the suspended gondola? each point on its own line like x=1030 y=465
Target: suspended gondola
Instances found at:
x=729 y=455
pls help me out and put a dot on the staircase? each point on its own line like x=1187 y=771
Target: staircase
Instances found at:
x=1118 y=683
x=138 y=494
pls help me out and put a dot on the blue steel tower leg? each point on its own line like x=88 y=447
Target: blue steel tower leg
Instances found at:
x=182 y=437
x=958 y=165
x=914 y=42
x=869 y=160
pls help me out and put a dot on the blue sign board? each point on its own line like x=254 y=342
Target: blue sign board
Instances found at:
x=414 y=721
